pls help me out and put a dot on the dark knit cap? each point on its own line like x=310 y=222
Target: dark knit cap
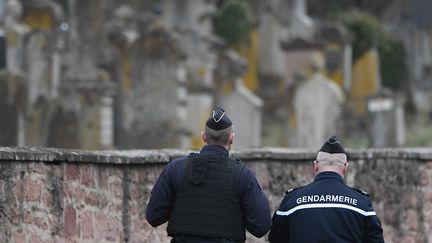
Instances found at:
x=218 y=120
x=332 y=146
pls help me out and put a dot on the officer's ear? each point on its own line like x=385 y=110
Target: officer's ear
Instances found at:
x=345 y=169
x=315 y=165
x=204 y=136
x=231 y=138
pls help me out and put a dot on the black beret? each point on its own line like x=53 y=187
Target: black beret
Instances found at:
x=332 y=146
x=218 y=120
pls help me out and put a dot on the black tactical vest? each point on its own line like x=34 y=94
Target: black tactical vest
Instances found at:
x=206 y=204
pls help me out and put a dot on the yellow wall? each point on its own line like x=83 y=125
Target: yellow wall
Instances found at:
x=250 y=53
x=126 y=67
x=39 y=19
x=365 y=80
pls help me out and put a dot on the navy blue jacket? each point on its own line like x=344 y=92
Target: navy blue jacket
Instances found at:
x=326 y=211
x=256 y=211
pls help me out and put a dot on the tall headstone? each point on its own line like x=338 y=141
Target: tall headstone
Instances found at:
x=318 y=106
x=199 y=105
x=150 y=99
x=196 y=72
x=106 y=115
x=245 y=109
x=12 y=43
x=16 y=32
x=41 y=67
x=38 y=66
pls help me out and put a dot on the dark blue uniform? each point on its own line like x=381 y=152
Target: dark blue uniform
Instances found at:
x=326 y=211
x=256 y=212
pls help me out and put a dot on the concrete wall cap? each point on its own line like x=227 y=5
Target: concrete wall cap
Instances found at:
x=165 y=155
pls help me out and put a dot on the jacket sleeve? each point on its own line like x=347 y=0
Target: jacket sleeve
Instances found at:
x=374 y=231
x=279 y=232
x=161 y=197
x=255 y=205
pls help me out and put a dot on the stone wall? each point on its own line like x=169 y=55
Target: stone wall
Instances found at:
x=52 y=195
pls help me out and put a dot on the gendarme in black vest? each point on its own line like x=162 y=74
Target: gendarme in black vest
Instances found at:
x=206 y=203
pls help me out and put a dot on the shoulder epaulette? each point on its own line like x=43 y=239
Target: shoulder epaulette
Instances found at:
x=238 y=161
x=361 y=191
x=192 y=154
x=292 y=189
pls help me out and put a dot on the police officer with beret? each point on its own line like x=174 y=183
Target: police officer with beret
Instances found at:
x=208 y=196
x=327 y=210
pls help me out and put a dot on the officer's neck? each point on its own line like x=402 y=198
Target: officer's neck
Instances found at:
x=334 y=169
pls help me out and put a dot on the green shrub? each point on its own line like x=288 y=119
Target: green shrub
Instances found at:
x=233 y=22
x=366 y=32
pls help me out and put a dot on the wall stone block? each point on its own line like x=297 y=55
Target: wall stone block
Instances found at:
x=70 y=221
x=18 y=236
x=87 y=174
x=72 y=172
x=87 y=225
x=33 y=190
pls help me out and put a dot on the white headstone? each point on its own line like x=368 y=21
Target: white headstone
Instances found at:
x=245 y=110
x=318 y=108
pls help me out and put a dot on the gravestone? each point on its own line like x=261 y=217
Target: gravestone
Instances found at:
x=196 y=73
x=318 y=106
x=386 y=120
x=12 y=93
x=38 y=66
x=243 y=106
x=38 y=121
x=16 y=32
x=200 y=105
x=245 y=110
x=197 y=42
x=63 y=128
x=149 y=113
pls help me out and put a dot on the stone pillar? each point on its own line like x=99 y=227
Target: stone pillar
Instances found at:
x=2 y=49
x=107 y=122
x=302 y=26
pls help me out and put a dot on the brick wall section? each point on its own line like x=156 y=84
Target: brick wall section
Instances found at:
x=52 y=195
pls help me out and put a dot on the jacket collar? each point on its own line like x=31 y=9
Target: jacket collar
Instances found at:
x=214 y=150
x=328 y=175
